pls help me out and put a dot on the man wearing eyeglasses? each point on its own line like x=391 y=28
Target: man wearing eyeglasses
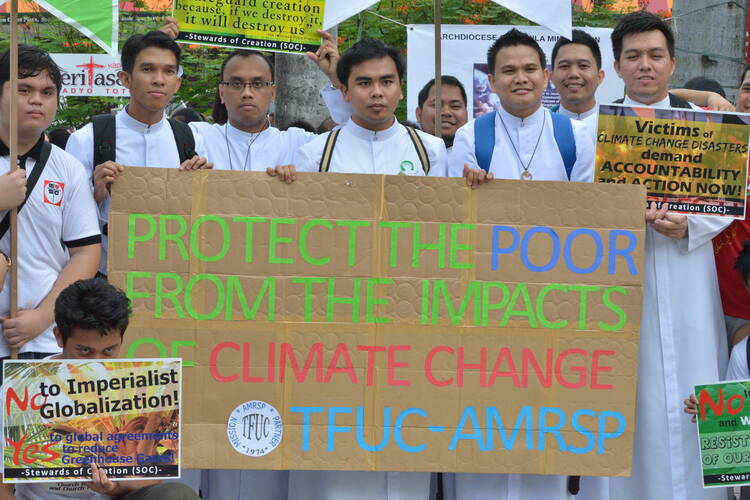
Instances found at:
x=242 y=137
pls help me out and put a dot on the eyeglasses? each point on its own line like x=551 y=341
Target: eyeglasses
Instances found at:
x=257 y=85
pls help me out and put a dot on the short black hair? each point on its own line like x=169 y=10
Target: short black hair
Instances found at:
x=445 y=80
x=744 y=73
x=91 y=304
x=640 y=22
x=59 y=137
x=31 y=62
x=139 y=42
x=703 y=83
x=187 y=115
x=583 y=38
x=219 y=113
x=365 y=50
x=514 y=38
x=743 y=262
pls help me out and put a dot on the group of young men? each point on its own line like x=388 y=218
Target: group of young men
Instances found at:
x=63 y=221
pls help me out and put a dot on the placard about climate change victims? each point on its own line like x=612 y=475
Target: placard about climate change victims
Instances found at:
x=694 y=160
x=273 y=25
x=365 y=322
x=59 y=417
x=724 y=432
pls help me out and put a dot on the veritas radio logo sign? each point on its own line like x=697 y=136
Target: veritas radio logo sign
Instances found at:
x=90 y=75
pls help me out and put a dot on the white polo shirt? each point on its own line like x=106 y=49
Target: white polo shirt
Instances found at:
x=136 y=145
x=59 y=214
x=361 y=151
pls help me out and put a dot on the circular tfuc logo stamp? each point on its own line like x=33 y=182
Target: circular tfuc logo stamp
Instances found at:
x=255 y=428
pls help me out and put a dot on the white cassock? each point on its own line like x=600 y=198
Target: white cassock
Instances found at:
x=683 y=343
x=390 y=151
x=522 y=134
x=230 y=148
x=136 y=145
x=383 y=152
x=589 y=118
x=547 y=164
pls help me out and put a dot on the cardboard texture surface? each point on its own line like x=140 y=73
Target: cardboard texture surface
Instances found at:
x=394 y=323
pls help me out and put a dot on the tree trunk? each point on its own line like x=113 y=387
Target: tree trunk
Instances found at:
x=298 y=84
x=710 y=42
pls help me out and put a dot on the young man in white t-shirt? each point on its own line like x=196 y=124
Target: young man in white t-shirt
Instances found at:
x=58 y=235
x=91 y=317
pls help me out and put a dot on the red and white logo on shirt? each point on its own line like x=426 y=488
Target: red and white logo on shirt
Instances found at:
x=53 y=192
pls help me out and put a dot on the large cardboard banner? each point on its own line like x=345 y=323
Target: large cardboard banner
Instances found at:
x=464 y=55
x=362 y=322
x=59 y=417
x=277 y=26
x=724 y=433
x=694 y=160
x=85 y=75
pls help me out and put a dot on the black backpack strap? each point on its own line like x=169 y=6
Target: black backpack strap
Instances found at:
x=184 y=139
x=325 y=160
x=419 y=146
x=104 y=139
x=30 y=183
x=678 y=102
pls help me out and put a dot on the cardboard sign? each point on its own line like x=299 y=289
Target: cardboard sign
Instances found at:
x=464 y=56
x=59 y=417
x=724 y=433
x=90 y=75
x=694 y=160
x=272 y=25
x=363 y=322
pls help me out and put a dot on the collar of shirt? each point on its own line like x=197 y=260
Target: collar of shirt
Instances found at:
x=140 y=127
x=664 y=103
x=34 y=152
x=369 y=135
x=578 y=116
x=514 y=122
x=234 y=134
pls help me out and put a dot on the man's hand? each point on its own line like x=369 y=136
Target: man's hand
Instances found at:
x=100 y=483
x=12 y=189
x=327 y=57
x=653 y=214
x=104 y=175
x=285 y=173
x=691 y=407
x=672 y=225
x=476 y=176
x=718 y=103
x=24 y=327
x=171 y=27
x=196 y=163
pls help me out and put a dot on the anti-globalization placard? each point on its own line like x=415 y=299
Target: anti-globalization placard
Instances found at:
x=724 y=433
x=366 y=322
x=272 y=25
x=694 y=160
x=62 y=416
